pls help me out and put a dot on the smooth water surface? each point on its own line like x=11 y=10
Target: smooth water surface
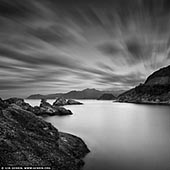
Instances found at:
x=121 y=136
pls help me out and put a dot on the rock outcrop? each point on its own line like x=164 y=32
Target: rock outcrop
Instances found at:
x=45 y=108
x=48 y=109
x=107 y=96
x=27 y=140
x=19 y=102
x=60 y=101
x=160 y=77
x=155 y=90
x=73 y=102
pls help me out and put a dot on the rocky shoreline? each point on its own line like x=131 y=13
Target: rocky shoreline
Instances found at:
x=143 y=94
x=146 y=102
x=28 y=140
x=45 y=108
x=155 y=90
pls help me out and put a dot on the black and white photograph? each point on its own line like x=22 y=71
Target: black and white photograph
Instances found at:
x=85 y=84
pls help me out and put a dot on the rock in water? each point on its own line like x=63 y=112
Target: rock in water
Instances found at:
x=107 y=96
x=44 y=109
x=60 y=101
x=27 y=140
x=47 y=108
x=73 y=102
x=62 y=111
x=44 y=103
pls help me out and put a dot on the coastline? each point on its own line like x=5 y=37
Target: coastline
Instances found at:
x=28 y=140
x=148 y=103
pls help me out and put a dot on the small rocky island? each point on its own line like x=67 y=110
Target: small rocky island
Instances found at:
x=155 y=90
x=27 y=140
x=60 y=101
x=107 y=96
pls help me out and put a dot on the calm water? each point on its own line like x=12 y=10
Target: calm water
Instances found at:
x=120 y=136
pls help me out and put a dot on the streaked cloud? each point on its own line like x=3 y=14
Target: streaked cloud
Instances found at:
x=51 y=46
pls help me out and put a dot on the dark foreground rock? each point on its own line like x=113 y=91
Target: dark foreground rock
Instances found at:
x=60 y=101
x=19 y=102
x=107 y=96
x=27 y=140
x=155 y=90
x=45 y=108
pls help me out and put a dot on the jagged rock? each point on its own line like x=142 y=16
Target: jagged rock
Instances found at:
x=60 y=101
x=63 y=111
x=44 y=103
x=2 y=104
x=47 y=109
x=27 y=140
x=44 y=109
x=17 y=101
x=20 y=102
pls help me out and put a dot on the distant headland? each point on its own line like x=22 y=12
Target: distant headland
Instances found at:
x=155 y=90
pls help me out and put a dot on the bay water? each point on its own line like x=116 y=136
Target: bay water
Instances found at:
x=120 y=136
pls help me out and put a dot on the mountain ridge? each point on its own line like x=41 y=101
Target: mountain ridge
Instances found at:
x=89 y=93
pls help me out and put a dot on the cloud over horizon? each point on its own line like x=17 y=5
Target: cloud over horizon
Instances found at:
x=51 y=46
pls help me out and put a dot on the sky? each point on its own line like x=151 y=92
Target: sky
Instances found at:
x=51 y=46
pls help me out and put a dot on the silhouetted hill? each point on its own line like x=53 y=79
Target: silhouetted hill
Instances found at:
x=84 y=94
x=155 y=90
x=160 y=77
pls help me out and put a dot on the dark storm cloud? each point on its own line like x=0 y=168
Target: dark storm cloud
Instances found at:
x=132 y=52
x=110 y=49
x=16 y=8
x=135 y=49
x=138 y=51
